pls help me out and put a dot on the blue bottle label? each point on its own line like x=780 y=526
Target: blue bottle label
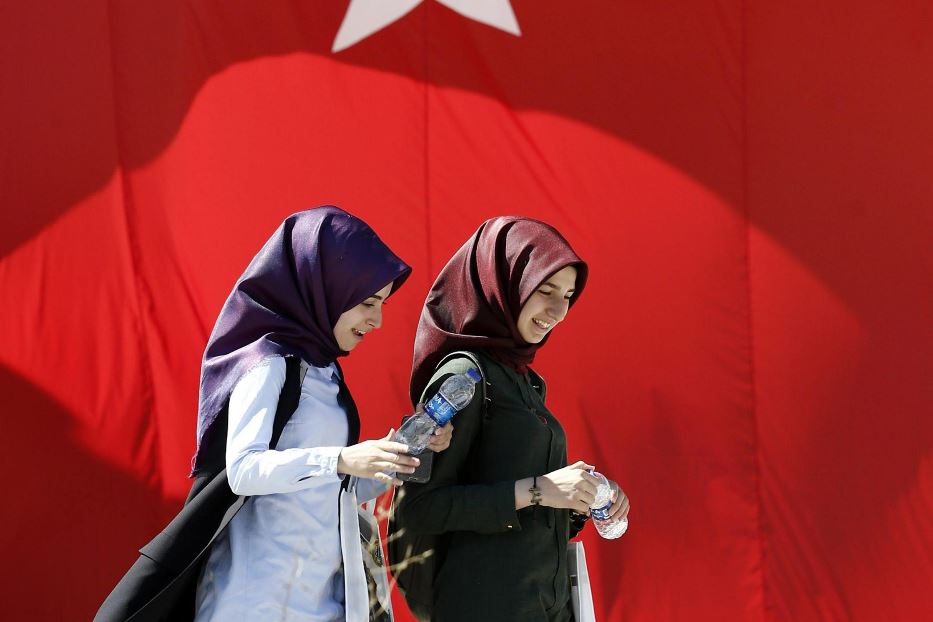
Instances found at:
x=440 y=410
x=601 y=513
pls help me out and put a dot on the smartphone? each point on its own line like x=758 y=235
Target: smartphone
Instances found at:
x=423 y=470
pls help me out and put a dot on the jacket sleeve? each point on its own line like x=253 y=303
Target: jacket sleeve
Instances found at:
x=446 y=502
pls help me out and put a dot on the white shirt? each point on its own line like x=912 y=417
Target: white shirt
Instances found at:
x=280 y=557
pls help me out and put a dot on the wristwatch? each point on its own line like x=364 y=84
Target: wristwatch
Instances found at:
x=535 y=491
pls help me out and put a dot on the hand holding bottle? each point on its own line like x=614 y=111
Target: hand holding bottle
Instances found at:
x=620 y=504
x=454 y=394
x=442 y=436
x=610 y=509
x=572 y=487
x=375 y=459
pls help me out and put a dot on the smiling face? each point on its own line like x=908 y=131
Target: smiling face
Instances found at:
x=353 y=324
x=547 y=305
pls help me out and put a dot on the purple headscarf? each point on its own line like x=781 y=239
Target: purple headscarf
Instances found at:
x=318 y=264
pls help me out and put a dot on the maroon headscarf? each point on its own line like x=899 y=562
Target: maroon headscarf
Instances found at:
x=477 y=298
x=318 y=264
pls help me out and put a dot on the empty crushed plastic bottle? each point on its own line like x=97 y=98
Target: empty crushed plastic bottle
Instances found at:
x=455 y=393
x=608 y=529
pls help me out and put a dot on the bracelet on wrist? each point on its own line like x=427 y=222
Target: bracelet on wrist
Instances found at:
x=535 y=491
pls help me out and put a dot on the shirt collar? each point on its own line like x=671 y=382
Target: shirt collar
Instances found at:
x=325 y=373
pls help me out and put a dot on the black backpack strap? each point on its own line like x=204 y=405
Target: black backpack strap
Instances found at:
x=537 y=380
x=295 y=370
x=214 y=446
x=346 y=400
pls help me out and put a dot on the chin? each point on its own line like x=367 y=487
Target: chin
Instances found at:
x=533 y=339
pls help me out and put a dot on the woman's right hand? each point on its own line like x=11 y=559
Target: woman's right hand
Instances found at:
x=572 y=487
x=376 y=459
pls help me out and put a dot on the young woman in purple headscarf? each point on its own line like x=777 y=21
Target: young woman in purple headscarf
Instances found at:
x=503 y=501
x=264 y=533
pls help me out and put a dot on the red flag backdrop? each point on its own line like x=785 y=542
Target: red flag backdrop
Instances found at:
x=750 y=182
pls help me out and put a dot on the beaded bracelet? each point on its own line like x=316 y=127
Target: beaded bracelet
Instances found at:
x=535 y=492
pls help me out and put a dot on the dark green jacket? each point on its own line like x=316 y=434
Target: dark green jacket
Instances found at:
x=500 y=564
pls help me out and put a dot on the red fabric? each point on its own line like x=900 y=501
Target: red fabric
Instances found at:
x=749 y=183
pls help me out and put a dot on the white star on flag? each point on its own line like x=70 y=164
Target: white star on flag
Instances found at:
x=365 y=17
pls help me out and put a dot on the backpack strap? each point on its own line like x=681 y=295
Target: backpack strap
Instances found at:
x=451 y=363
x=457 y=363
x=295 y=370
x=214 y=445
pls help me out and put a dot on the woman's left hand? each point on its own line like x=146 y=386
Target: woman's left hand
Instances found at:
x=620 y=506
x=441 y=439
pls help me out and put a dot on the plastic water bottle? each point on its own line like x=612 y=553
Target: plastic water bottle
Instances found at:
x=455 y=393
x=608 y=529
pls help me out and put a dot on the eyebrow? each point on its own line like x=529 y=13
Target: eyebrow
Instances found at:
x=376 y=296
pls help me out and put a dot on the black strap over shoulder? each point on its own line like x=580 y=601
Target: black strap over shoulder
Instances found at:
x=346 y=400
x=537 y=381
x=288 y=398
x=215 y=442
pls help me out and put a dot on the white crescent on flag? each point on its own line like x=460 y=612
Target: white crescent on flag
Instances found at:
x=365 y=17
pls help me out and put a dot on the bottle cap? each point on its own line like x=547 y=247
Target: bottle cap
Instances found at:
x=474 y=374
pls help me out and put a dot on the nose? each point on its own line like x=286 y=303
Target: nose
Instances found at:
x=375 y=319
x=558 y=310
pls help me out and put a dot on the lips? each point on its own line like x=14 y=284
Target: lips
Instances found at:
x=542 y=325
x=358 y=333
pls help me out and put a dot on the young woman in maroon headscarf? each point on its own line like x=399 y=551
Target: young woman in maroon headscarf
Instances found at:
x=311 y=295
x=500 y=498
